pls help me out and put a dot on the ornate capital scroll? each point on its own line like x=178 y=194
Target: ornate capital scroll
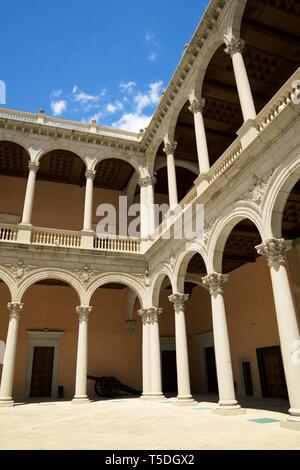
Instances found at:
x=274 y=250
x=215 y=283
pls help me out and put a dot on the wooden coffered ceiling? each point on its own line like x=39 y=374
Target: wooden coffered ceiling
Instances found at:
x=64 y=167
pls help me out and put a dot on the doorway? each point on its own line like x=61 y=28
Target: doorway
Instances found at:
x=211 y=370
x=271 y=372
x=42 y=371
x=169 y=371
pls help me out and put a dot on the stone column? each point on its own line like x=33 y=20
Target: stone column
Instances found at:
x=147 y=206
x=169 y=150
x=196 y=108
x=156 y=383
x=274 y=250
x=29 y=196
x=144 y=314
x=82 y=356
x=227 y=401
x=234 y=49
x=182 y=359
x=87 y=234
x=15 y=310
x=88 y=204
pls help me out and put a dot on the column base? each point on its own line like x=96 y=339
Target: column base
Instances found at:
x=152 y=396
x=80 y=400
x=229 y=409
x=290 y=423
x=6 y=402
x=185 y=401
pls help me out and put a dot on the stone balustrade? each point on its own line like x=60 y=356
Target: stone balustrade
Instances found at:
x=46 y=236
x=8 y=233
x=122 y=244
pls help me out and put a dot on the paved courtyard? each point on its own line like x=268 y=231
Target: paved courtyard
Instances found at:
x=135 y=424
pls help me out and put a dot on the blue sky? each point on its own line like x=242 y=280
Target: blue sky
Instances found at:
x=84 y=59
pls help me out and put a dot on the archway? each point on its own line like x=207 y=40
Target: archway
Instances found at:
x=13 y=179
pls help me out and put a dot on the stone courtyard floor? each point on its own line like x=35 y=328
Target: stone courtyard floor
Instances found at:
x=135 y=424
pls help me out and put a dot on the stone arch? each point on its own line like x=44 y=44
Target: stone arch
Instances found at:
x=10 y=283
x=172 y=121
x=14 y=140
x=69 y=147
x=222 y=229
x=182 y=262
x=157 y=282
x=192 y=167
x=281 y=184
x=135 y=164
x=52 y=273
x=118 y=278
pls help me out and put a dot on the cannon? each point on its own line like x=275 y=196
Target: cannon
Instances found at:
x=110 y=387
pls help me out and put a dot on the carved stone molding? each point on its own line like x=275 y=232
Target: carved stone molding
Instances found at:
x=215 y=283
x=147 y=181
x=145 y=278
x=15 y=309
x=179 y=301
x=235 y=45
x=257 y=192
x=170 y=149
x=197 y=106
x=90 y=174
x=274 y=250
x=33 y=166
x=86 y=275
x=20 y=270
x=83 y=312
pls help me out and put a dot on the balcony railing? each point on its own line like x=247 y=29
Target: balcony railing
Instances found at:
x=121 y=244
x=8 y=233
x=47 y=236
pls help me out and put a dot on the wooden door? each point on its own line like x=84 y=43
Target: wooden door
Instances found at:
x=42 y=371
x=212 y=381
x=271 y=372
x=169 y=371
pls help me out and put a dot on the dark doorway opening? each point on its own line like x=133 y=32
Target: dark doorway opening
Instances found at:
x=271 y=372
x=169 y=371
x=247 y=376
x=42 y=372
x=212 y=381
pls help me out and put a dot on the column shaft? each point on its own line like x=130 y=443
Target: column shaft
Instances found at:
x=10 y=355
x=82 y=355
x=146 y=353
x=88 y=204
x=197 y=107
x=156 y=383
x=29 y=196
x=169 y=150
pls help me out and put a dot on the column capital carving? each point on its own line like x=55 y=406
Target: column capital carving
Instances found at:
x=33 y=166
x=235 y=45
x=150 y=315
x=90 y=174
x=178 y=300
x=215 y=283
x=197 y=106
x=147 y=181
x=15 y=309
x=83 y=312
x=169 y=148
x=274 y=250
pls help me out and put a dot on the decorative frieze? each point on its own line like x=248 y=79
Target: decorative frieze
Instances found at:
x=20 y=270
x=86 y=275
x=257 y=192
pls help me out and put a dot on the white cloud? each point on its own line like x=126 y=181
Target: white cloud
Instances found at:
x=152 y=56
x=58 y=107
x=150 y=98
x=132 y=122
x=56 y=93
x=127 y=87
x=151 y=40
x=112 y=108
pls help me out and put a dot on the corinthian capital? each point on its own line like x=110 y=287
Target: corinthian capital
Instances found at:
x=15 y=309
x=144 y=314
x=147 y=181
x=83 y=312
x=179 y=301
x=274 y=250
x=215 y=283
x=169 y=148
x=235 y=45
x=33 y=166
x=90 y=174
x=197 y=106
